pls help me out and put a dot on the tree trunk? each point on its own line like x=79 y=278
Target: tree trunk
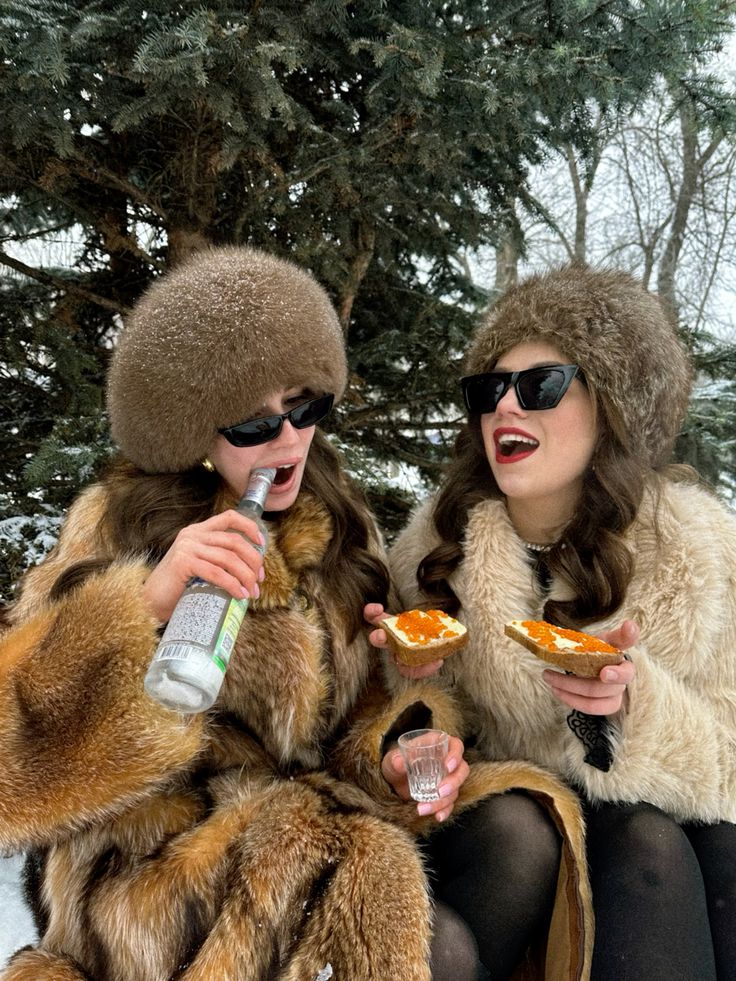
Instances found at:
x=358 y=268
x=685 y=194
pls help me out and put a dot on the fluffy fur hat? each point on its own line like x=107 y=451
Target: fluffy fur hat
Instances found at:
x=207 y=343
x=606 y=322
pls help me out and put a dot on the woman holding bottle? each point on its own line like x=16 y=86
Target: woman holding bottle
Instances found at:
x=559 y=505
x=235 y=843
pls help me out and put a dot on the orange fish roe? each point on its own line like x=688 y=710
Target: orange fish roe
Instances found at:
x=421 y=627
x=545 y=633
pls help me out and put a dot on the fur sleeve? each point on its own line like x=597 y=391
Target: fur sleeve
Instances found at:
x=676 y=745
x=378 y=721
x=79 y=738
x=78 y=542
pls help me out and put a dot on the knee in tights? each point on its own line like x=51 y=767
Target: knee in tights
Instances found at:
x=498 y=866
x=511 y=832
x=648 y=895
x=639 y=842
x=454 y=955
x=715 y=847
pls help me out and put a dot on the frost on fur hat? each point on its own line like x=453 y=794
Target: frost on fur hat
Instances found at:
x=207 y=343
x=619 y=334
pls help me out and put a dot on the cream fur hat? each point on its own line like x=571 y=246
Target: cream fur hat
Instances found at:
x=207 y=343
x=606 y=322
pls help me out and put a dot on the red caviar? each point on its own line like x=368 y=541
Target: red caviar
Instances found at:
x=422 y=626
x=545 y=633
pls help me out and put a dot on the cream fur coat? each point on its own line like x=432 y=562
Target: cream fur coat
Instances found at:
x=675 y=746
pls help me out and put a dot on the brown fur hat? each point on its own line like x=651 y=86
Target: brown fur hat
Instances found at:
x=207 y=343
x=619 y=334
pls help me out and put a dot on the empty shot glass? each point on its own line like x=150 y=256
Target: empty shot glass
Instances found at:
x=424 y=752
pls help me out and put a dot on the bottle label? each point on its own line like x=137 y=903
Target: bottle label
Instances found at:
x=228 y=633
x=206 y=619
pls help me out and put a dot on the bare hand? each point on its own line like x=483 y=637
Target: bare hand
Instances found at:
x=394 y=771
x=606 y=694
x=374 y=613
x=210 y=551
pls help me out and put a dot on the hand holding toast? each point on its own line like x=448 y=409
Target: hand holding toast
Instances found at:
x=375 y=614
x=592 y=689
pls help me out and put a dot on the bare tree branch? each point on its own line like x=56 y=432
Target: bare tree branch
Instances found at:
x=61 y=284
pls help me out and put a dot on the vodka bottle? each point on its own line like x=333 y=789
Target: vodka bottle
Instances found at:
x=188 y=668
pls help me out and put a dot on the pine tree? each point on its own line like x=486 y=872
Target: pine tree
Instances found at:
x=375 y=141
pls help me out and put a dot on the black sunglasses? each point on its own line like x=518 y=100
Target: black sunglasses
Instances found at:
x=536 y=388
x=257 y=431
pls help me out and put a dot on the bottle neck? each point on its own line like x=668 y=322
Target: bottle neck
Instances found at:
x=250 y=508
x=253 y=500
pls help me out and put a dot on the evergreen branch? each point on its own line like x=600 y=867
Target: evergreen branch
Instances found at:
x=373 y=416
x=115 y=240
x=59 y=283
x=94 y=171
x=387 y=132
x=436 y=466
x=39 y=233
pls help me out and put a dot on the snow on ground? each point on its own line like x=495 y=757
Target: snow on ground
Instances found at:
x=16 y=926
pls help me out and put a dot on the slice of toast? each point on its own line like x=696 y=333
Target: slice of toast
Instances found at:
x=420 y=636
x=573 y=651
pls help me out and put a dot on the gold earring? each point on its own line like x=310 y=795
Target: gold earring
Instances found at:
x=208 y=464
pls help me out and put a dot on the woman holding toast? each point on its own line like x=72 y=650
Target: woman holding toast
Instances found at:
x=257 y=840
x=559 y=506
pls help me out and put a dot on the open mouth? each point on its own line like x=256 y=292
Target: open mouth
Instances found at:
x=283 y=474
x=510 y=445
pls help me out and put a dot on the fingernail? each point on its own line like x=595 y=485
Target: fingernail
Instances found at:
x=445 y=790
x=256 y=590
x=451 y=765
x=610 y=674
x=261 y=574
x=424 y=809
x=244 y=593
x=261 y=539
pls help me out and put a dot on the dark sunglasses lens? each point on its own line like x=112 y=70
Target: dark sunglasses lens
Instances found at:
x=254 y=433
x=483 y=392
x=310 y=413
x=542 y=388
x=262 y=430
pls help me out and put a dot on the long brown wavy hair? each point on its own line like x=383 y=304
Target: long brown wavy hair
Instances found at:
x=146 y=512
x=591 y=555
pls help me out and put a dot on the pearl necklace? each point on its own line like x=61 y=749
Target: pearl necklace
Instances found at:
x=534 y=547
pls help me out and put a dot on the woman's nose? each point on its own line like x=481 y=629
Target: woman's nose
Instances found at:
x=509 y=402
x=289 y=434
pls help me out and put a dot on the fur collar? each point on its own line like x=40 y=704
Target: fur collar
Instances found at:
x=298 y=542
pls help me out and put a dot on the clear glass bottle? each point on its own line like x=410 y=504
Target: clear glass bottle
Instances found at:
x=188 y=668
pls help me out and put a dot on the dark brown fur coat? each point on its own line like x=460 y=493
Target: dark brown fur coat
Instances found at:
x=254 y=842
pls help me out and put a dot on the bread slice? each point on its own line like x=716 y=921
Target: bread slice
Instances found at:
x=578 y=653
x=420 y=636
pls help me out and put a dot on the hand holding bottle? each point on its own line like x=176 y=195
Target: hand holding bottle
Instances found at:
x=208 y=550
x=189 y=665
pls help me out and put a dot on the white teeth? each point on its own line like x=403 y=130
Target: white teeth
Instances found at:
x=516 y=438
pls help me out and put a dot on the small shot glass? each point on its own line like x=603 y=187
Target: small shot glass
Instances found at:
x=424 y=752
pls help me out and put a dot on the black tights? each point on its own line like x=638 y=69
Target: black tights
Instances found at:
x=496 y=867
x=664 y=896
